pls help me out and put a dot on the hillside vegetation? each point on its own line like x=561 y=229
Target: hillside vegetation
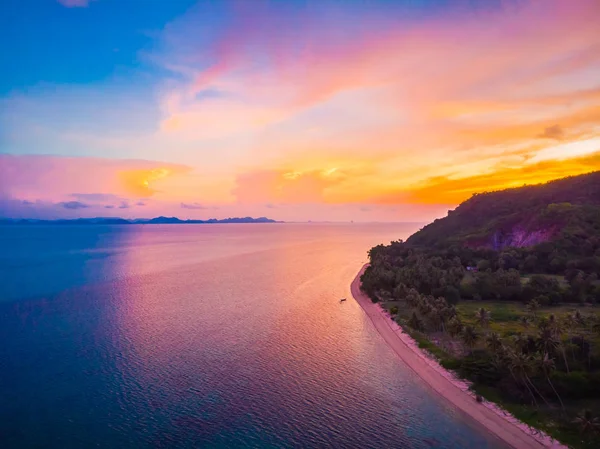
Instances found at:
x=504 y=290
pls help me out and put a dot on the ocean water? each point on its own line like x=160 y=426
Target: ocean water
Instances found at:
x=204 y=336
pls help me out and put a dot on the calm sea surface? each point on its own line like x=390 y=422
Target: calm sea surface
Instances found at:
x=204 y=336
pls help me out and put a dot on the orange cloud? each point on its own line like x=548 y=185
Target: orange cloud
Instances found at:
x=444 y=190
x=393 y=93
x=285 y=186
x=139 y=182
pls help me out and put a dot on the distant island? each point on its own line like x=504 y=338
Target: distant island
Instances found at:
x=123 y=221
x=504 y=291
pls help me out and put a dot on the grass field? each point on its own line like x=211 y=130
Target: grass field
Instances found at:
x=506 y=316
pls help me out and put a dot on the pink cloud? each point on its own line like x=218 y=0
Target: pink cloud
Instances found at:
x=53 y=178
x=306 y=60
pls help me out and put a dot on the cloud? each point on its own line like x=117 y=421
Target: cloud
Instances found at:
x=139 y=182
x=117 y=201
x=328 y=86
x=96 y=197
x=289 y=93
x=451 y=191
x=552 y=132
x=193 y=206
x=277 y=186
x=74 y=3
x=53 y=178
x=73 y=205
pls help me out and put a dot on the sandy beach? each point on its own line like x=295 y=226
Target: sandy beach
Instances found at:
x=497 y=421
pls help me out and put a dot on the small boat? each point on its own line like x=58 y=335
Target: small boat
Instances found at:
x=342 y=300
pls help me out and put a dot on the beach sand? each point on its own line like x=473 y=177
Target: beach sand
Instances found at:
x=446 y=384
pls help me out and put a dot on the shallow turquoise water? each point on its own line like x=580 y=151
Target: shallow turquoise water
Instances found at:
x=212 y=336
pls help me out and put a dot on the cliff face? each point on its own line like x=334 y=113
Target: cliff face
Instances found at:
x=518 y=237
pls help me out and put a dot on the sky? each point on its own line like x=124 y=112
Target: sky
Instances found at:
x=295 y=110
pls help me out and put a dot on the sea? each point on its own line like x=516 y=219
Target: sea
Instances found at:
x=204 y=336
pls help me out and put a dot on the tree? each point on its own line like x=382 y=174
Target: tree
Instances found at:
x=547 y=366
x=415 y=322
x=455 y=326
x=470 y=337
x=531 y=263
x=532 y=307
x=547 y=341
x=524 y=320
x=587 y=422
x=400 y=291
x=555 y=325
x=494 y=342
x=483 y=265
x=483 y=317
x=578 y=318
x=520 y=364
x=452 y=295
x=520 y=341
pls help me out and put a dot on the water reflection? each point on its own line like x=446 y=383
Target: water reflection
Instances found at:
x=226 y=339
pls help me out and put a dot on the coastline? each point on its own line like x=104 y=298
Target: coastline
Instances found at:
x=456 y=391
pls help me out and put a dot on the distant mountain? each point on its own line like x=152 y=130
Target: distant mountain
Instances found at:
x=113 y=221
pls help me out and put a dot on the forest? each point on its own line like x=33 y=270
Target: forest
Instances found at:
x=505 y=291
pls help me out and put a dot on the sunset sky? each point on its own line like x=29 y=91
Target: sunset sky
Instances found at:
x=296 y=110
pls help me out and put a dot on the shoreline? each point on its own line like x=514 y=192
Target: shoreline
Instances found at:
x=494 y=419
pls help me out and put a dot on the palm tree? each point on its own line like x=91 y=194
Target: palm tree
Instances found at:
x=415 y=322
x=587 y=422
x=440 y=303
x=455 y=326
x=483 y=317
x=532 y=307
x=549 y=342
x=524 y=320
x=451 y=311
x=521 y=341
x=499 y=362
x=494 y=342
x=547 y=366
x=570 y=324
x=469 y=337
x=554 y=325
x=413 y=298
x=543 y=323
x=424 y=308
x=584 y=342
x=578 y=318
x=519 y=365
x=524 y=364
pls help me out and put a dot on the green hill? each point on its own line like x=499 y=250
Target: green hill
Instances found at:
x=567 y=209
